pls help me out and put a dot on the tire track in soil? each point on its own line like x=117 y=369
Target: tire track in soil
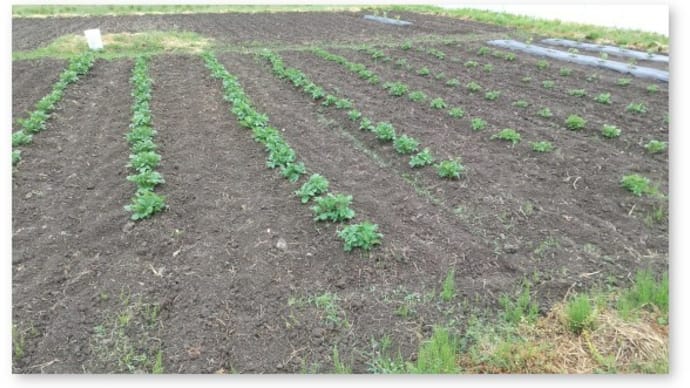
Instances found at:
x=494 y=171
x=31 y=80
x=68 y=194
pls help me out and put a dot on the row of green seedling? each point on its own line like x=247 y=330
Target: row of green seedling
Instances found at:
x=143 y=159
x=326 y=206
x=572 y=122
x=36 y=122
x=384 y=131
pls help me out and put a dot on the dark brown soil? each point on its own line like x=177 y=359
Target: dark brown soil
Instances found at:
x=237 y=265
x=282 y=28
x=32 y=80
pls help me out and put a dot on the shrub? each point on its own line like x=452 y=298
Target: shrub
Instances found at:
x=438 y=103
x=315 y=185
x=575 y=123
x=542 y=146
x=424 y=71
x=363 y=235
x=610 y=131
x=545 y=112
x=456 y=112
x=334 y=208
x=478 y=124
x=450 y=169
x=405 y=144
x=507 y=134
x=637 y=184
x=144 y=204
x=603 y=98
x=416 y=96
x=384 y=131
x=655 y=146
x=421 y=159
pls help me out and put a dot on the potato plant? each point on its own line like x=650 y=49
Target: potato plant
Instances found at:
x=544 y=112
x=335 y=208
x=473 y=87
x=363 y=235
x=453 y=82
x=507 y=134
x=492 y=95
x=416 y=96
x=396 y=89
x=548 y=84
x=478 y=124
x=603 y=98
x=575 y=123
x=146 y=180
x=456 y=112
x=421 y=159
x=610 y=131
x=354 y=115
x=438 y=103
x=314 y=186
x=541 y=146
x=405 y=144
x=145 y=204
x=577 y=92
x=637 y=184
x=636 y=107
x=450 y=169
x=656 y=146
x=384 y=131
x=20 y=138
x=292 y=171
x=424 y=71
x=16 y=156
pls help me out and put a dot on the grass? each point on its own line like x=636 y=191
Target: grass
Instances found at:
x=579 y=313
x=438 y=355
x=646 y=292
x=328 y=304
x=520 y=308
x=448 y=287
x=122 y=45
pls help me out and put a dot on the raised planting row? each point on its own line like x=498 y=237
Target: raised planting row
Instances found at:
x=384 y=131
x=36 y=122
x=327 y=206
x=144 y=158
x=573 y=122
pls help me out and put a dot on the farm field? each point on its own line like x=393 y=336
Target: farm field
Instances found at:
x=166 y=216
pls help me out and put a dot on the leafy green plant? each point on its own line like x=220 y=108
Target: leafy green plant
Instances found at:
x=603 y=98
x=471 y=64
x=405 y=144
x=438 y=103
x=424 y=71
x=577 y=92
x=144 y=161
x=146 y=180
x=416 y=96
x=437 y=53
x=354 y=115
x=521 y=104
x=365 y=124
x=16 y=156
x=610 y=131
x=402 y=62
x=21 y=138
x=543 y=64
x=548 y=84
x=579 y=314
x=510 y=57
x=638 y=108
x=492 y=95
x=521 y=308
x=292 y=171
x=422 y=158
x=406 y=45
x=473 y=87
x=544 y=112
x=565 y=71
x=542 y=146
x=35 y=123
x=453 y=82
x=637 y=184
x=363 y=235
x=395 y=88
x=507 y=134
x=456 y=112
x=315 y=185
x=478 y=124
x=343 y=103
x=384 y=131
x=448 y=287
x=652 y=89
x=483 y=50
x=330 y=100
x=575 y=123
x=656 y=146
x=440 y=76
x=145 y=204
x=488 y=68
x=526 y=79
x=332 y=207
x=623 y=81
x=450 y=169
x=279 y=154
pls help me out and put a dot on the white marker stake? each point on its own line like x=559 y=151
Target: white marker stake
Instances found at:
x=93 y=37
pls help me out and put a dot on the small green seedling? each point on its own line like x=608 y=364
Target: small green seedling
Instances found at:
x=637 y=108
x=456 y=112
x=521 y=104
x=483 y=50
x=544 y=112
x=577 y=92
x=450 y=169
x=363 y=235
x=421 y=159
x=508 y=134
x=424 y=71
x=354 y=115
x=492 y=95
x=365 y=124
x=438 y=103
x=453 y=82
x=565 y=71
x=610 y=131
x=656 y=146
x=542 y=146
x=473 y=87
x=478 y=124
x=652 y=89
x=384 y=131
x=548 y=84
x=603 y=98
x=416 y=96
